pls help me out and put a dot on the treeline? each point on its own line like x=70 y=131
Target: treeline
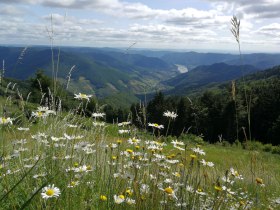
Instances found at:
x=245 y=110
x=239 y=112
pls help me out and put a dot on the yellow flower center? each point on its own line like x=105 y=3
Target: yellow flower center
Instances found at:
x=259 y=181
x=4 y=120
x=128 y=192
x=168 y=190
x=121 y=196
x=181 y=164
x=40 y=114
x=218 y=188
x=103 y=198
x=119 y=141
x=177 y=174
x=242 y=203
x=129 y=150
x=50 y=192
x=83 y=95
x=193 y=156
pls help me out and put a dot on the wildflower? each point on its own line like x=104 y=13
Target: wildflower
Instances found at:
x=129 y=151
x=260 y=182
x=112 y=145
x=50 y=191
x=81 y=96
x=73 y=184
x=199 y=191
x=218 y=188
x=205 y=163
x=189 y=189
x=169 y=190
x=235 y=174
x=177 y=174
x=5 y=121
x=23 y=129
x=119 y=199
x=144 y=188
x=45 y=110
x=123 y=131
x=128 y=192
x=134 y=141
x=72 y=126
x=242 y=203
x=130 y=201
x=98 y=124
x=123 y=124
x=38 y=114
x=98 y=115
x=175 y=143
x=228 y=190
x=36 y=176
x=103 y=198
x=193 y=156
x=198 y=151
x=169 y=114
x=155 y=125
x=227 y=180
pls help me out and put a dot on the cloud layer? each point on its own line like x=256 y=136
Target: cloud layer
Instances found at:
x=118 y=23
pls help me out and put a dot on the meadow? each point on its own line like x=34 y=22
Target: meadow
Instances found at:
x=65 y=160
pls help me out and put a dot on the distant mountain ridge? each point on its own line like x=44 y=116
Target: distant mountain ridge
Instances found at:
x=193 y=59
x=202 y=76
x=104 y=72
x=108 y=71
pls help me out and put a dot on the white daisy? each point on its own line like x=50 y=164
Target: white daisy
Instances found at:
x=50 y=191
x=119 y=199
x=5 y=121
x=169 y=114
x=82 y=96
x=98 y=114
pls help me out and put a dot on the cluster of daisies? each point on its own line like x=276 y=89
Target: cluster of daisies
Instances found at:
x=135 y=171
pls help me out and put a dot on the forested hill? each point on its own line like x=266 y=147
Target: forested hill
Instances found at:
x=247 y=108
x=203 y=76
x=96 y=71
x=193 y=59
x=121 y=74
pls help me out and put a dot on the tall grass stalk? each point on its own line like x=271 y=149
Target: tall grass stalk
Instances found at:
x=235 y=22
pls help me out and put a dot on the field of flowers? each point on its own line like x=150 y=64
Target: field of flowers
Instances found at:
x=57 y=160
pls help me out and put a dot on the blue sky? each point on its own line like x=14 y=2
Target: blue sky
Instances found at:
x=157 y=24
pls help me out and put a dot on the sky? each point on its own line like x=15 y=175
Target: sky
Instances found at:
x=202 y=25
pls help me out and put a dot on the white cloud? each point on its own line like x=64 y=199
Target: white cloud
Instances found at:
x=9 y=10
x=255 y=9
x=272 y=30
x=116 y=22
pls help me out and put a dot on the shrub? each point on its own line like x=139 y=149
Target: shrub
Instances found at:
x=276 y=150
x=267 y=147
x=253 y=145
x=191 y=139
